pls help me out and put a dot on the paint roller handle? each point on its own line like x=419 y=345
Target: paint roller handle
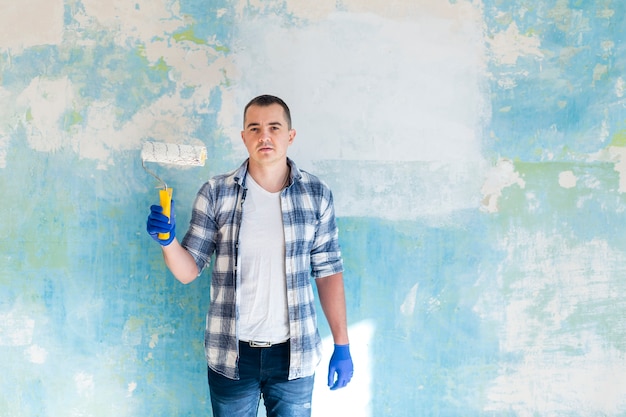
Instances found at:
x=341 y=366
x=159 y=223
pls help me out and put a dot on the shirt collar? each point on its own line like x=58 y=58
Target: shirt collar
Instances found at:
x=242 y=171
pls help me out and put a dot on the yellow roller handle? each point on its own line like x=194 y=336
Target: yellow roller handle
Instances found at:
x=165 y=196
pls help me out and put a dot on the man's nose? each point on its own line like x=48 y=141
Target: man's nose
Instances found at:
x=264 y=135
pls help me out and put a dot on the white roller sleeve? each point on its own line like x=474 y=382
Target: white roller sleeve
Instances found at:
x=174 y=154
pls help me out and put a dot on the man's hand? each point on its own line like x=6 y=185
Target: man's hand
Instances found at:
x=160 y=223
x=341 y=365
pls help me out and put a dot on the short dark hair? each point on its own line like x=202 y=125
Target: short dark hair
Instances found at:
x=267 y=100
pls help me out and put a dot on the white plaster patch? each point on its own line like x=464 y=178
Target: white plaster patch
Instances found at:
x=567 y=179
x=84 y=384
x=509 y=45
x=408 y=306
x=10 y=116
x=568 y=19
x=398 y=10
x=44 y=102
x=191 y=65
x=620 y=86
x=501 y=176
x=154 y=340
x=28 y=23
x=599 y=71
x=16 y=329
x=138 y=19
x=434 y=304
x=4 y=143
x=533 y=202
x=403 y=190
x=36 y=354
x=131 y=388
x=605 y=130
x=165 y=120
x=607 y=48
x=316 y=10
x=132 y=335
x=507 y=83
x=605 y=13
x=616 y=155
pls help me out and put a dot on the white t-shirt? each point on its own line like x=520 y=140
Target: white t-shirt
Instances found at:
x=263 y=312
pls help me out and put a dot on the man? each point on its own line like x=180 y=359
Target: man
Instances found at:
x=271 y=227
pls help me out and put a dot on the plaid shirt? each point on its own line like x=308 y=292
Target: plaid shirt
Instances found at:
x=311 y=249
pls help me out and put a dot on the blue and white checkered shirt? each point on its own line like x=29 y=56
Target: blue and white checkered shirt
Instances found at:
x=311 y=249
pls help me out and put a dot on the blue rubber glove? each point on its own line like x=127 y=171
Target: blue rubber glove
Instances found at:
x=340 y=364
x=159 y=223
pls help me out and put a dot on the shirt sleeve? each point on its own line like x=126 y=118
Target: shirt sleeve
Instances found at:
x=326 y=253
x=200 y=237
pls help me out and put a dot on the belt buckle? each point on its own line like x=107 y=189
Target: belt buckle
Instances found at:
x=256 y=344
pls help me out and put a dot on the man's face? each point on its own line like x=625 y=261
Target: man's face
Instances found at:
x=266 y=134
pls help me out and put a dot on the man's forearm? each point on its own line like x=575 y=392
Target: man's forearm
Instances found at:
x=180 y=262
x=333 y=300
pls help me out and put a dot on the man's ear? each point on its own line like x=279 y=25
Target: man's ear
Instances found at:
x=292 y=135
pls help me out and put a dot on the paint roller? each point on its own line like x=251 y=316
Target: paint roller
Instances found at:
x=170 y=154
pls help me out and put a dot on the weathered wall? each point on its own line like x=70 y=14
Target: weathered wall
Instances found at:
x=476 y=151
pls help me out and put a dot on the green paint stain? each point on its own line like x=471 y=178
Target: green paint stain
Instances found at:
x=161 y=66
x=141 y=51
x=188 y=35
x=619 y=138
x=134 y=324
x=226 y=80
x=70 y=119
x=29 y=115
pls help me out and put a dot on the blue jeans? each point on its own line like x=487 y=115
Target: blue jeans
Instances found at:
x=262 y=373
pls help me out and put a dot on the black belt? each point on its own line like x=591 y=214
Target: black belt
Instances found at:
x=260 y=344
